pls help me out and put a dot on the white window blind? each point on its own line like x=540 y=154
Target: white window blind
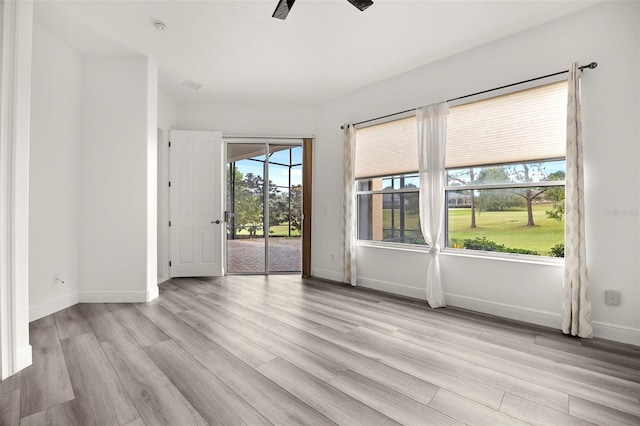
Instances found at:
x=387 y=149
x=520 y=126
x=516 y=127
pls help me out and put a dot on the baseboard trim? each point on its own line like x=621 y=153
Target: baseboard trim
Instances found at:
x=39 y=311
x=24 y=358
x=617 y=333
x=326 y=274
x=395 y=288
x=114 y=296
x=534 y=316
x=152 y=293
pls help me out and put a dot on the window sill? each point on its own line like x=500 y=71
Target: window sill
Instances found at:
x=504 y=257
x=393 y=246
x=475 y=254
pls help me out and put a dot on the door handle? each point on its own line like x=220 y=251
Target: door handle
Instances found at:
x=216 y=221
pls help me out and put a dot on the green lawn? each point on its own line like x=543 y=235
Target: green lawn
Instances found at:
x=281 y=230
x=505 y=227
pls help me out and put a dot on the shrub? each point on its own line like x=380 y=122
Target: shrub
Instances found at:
x=481 y=243
x=557 y=250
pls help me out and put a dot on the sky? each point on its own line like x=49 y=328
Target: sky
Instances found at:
x=277 y=174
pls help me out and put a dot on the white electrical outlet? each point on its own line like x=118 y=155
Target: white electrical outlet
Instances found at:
x=612 y=297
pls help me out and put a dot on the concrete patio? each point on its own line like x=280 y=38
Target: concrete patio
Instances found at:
x=247 y=255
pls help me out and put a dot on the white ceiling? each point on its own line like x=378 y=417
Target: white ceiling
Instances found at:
x=324 y=49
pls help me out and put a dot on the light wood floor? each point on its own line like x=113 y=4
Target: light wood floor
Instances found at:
x=285 y=351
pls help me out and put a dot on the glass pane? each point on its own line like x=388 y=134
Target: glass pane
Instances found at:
x=389 y=183
x=285 y=209
x=245 y=202
x=514 y=220
x=533 y=172
x=390 y=217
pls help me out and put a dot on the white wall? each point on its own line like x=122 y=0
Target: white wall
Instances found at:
x=118 y=197
x=54 y=196
x=607 y=33
x=248 y=119
x=151 y=182
x=15 y=100
x=167 y=111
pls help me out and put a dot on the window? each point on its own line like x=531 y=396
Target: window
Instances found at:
x=388 y=209
x=505 y=173
x=387 y=182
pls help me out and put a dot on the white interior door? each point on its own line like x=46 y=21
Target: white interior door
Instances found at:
x=196 y=192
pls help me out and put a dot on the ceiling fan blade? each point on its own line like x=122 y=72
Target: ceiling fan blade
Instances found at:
x=361 y=4
x=282 y=9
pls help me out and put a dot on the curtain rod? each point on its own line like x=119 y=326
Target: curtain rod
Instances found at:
x=592 y=65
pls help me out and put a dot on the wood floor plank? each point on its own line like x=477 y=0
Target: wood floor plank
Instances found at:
x=390 y=377
x=334 y=404
x=555 y=356
x=593 y=353
x=282 y=308
x=469 y=412
x=46 y=382
x=194 y=287
x=472 y=389
x=103 y=322
x=491 y=371
x=171 y=303
x=612 y=347
x=536 y=414
x=158 y=401
x=248 y=313
x=10 y=384
x=99 y=392
x=43 y=322
x=139 y=326
x=536 y=364
x=350 y=314
x=179 y=331
x=71 y=322
x=66 y=414
x=488 y=376
x=600 y=414
x=283 y=350
x=309 y=361
x=269 y=399
x=396 y=406
x=10 y=408
x=137 y=422
x=244 y=349
x=214 y=400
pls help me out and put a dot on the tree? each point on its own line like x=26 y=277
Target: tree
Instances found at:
x=248 y=201
x=466 y=177
x=524 y=173
x=286 y=207
x=556 y=194
x=496 y=199
x=295 y=218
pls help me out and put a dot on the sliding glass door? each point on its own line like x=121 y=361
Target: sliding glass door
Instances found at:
x=264 y=205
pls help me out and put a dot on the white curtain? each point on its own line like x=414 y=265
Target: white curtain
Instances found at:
x=349 y=234
x=576 y=304
x=432 y=131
